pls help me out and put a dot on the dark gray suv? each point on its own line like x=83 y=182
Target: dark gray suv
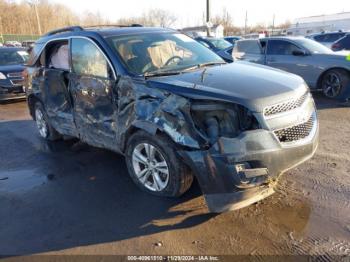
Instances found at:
x=174 y=109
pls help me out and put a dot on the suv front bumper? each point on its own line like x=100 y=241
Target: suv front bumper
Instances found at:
x=236 y=172
x=8 y=91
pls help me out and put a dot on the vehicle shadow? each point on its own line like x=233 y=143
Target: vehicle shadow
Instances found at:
x=66 y=194
x=323 y=102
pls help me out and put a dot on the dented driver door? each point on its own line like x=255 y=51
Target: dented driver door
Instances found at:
x=91 y=84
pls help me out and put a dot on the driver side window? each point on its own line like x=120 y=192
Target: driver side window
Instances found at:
x=87 y=59
x=281 y=47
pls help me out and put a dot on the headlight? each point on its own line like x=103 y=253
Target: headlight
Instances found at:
x=2 y=76
x=216 y=120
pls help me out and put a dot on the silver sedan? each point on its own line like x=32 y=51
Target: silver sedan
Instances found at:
x=320 y=67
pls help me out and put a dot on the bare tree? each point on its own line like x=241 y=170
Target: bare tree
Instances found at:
x=226 y=20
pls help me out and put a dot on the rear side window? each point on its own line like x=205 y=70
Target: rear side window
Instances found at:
x=280 y=47
x=329 y=38
x=319 y=38
x=87 y=59
x=345 y=42
x=248 y=47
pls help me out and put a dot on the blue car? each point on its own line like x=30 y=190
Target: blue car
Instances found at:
x=12 y=62
x=220 y=46
x=320 y=67
x=232 y=39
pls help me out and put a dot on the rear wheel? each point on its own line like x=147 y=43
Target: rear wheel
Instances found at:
x=46 y=131
x=155 y=167
x=334 y=83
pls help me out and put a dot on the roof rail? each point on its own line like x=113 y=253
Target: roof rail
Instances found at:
x=94 y=26
x=65 y=29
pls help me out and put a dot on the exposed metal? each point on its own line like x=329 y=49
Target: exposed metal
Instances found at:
x=105 y=112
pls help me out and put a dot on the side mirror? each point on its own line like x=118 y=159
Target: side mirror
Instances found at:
x=299 y=52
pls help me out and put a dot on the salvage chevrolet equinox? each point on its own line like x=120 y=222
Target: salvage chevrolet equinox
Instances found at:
x=174 y=109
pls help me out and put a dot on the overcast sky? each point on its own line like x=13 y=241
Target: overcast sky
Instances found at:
x=190 y=12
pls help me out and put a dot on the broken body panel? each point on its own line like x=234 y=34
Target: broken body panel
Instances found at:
x=233 y=169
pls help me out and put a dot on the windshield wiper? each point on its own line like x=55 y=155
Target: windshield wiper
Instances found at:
x=178 y=72
x=204 y=65
x=161 y=73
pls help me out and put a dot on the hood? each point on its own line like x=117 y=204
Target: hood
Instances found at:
x=251 y=85
x=11 y=68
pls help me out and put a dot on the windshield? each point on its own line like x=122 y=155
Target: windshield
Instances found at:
x=13 y=57
x=219 y=43
x=165 y=52
x=314 y=47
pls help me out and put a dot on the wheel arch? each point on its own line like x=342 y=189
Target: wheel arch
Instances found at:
x=32 y=100
x=319 y=80
x=151 y=128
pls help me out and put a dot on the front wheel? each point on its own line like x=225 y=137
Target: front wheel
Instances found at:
x=46 y=131
x=334 y=83
x=155 y=167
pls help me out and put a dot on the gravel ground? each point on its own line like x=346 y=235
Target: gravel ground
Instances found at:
x=69 y=198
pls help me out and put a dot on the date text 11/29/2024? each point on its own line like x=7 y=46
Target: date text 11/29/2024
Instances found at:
x=173 y=258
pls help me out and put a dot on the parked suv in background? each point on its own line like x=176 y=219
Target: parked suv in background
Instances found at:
x=12 y=62
x=342 y=44
x=174 y=109
x=318 y=65
x=327 y=39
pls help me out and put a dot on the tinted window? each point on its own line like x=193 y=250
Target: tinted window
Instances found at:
x=87 y=59
x=219 y=43
x=345 y=42
x=280 y=47
x=13 y=57
x=319 y=38
x=329 y=38
x=249 y=47
x=313 y=46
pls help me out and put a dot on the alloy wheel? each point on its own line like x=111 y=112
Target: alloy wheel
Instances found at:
x=150 y=167
x=331 y=85
x=41 y=123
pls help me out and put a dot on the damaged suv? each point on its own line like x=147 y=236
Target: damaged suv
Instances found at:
x=174 y=109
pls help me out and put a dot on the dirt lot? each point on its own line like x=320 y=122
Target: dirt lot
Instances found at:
x=69 y=198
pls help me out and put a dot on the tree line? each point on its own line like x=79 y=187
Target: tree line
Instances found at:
x=22 y=18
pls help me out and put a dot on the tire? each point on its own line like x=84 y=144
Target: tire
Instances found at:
x=334 y=82
x=173 y=183
x=45 y=129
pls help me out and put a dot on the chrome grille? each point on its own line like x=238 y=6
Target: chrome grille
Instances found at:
x=286 y=106
x=295 y=133
x=16 y=74
x=17 y=82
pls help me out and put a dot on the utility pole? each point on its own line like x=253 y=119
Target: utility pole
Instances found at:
x=1 y=36
x=208 y=18
x=273 y=24
x=35 y=4
x=37 y=17
x=245 y=22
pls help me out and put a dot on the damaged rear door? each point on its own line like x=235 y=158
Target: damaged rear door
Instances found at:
x=92 y=80
x=56 y=95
